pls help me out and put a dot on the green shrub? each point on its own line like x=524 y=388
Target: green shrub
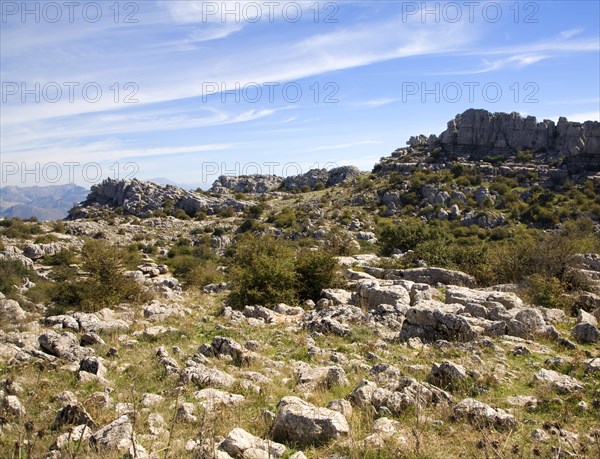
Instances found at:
x=251 y=224
x=407 y=235
x=19 y=229
x=58 y=226
x=203 y=274
x=63 y=258
x=11 y=274
x=285 y=219
x=45 y=239
x=543 y=291
x=262 y=272
x=340 y=242
x=255 y=211
x=227 y=212
x=181 y=215
x=315 y=271
x=103 y=285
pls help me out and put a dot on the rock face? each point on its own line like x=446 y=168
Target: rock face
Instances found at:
x=36 y=251
x=142 y=199
x=305 y=424
x=476 y=133
x=245 y=184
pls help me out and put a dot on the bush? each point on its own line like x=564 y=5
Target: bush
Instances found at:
x=227 y=212
x=339 y=242
x=104 y=284
x=203 y=274
x=19 y=229
x=315 y=271
x=407 y=236
x=63 y=258
x=45 y=239
x=543 y=291
x=262 y=272
x=11 y=274
x=267 y=271
x=181 y=215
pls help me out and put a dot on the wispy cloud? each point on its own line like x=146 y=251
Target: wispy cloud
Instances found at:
x=570 y=33
x=373 y=103
x=344 y=146
x=516 y=62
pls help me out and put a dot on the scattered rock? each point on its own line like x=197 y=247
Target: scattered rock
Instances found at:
x=211 y=399
x=448 y=376
x=185 y=413
x=13 y=406
x=585 y=333
x=302 y=423
x=80 y=433
x=559 y=383
x=341 y=406
x=592 y=365
x=480 y=414
x=11 y=312
x=64 y=346
x=90 y=339
x=202 y=376
x=118 y=435
x=93 y=365
x=241 y=444
x=73 y=414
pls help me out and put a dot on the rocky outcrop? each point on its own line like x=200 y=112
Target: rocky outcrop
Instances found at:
x=315 y=176
x=245 y=184
x=554 y=151
x=477 y=133
x=142 y=199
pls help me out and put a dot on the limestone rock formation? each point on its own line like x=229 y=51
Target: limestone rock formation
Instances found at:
x=245 y=184
x=142 y=199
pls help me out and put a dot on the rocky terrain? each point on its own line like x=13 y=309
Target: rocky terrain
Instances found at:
x=456 y=311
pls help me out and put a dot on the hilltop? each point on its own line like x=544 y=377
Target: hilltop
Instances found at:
x=444 y=304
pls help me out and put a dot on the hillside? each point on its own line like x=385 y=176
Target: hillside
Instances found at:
x=443 y=305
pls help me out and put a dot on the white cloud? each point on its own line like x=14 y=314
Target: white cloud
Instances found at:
x=570 y=33
x=344 y=146
x=517 y=62
x=373 y=103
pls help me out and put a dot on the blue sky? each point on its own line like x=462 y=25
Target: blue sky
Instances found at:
x=341 y=82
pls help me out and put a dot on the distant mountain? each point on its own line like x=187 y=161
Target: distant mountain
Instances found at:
x=166 y=181
x=43 y=202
